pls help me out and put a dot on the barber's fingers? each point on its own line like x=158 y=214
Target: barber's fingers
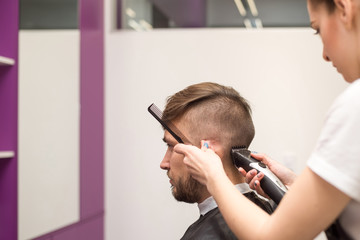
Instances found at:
x=248 y=175
x=203 y=164
x=242 y=171
x=186 y=150
x=259 y=190
x=262 y=158
x=253 y=178
x=255 y=182
x=191 y=154
x=190 y=150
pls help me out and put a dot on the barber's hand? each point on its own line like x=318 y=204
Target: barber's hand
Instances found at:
x=204 y=164
x=253 y=178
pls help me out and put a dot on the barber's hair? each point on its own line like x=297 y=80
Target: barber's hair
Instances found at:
x=330 y=4
x=214 y=112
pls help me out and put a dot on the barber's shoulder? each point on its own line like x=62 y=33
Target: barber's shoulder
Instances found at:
x=348 y=102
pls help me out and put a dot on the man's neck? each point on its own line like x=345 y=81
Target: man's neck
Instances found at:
x=235 y=177
x=209 y=203
x=204 y=196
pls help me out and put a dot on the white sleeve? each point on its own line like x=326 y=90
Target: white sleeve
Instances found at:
x=336 y=157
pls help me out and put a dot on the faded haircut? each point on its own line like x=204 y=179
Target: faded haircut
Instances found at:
x=214 y=112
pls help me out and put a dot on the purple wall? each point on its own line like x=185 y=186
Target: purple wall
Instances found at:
x=92 y=108
x=91 y=224
x=89 y=229
x=8 y=118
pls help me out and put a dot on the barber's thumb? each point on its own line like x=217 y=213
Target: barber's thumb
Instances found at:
x=181 y=148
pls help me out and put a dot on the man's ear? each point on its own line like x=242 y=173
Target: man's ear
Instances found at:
x=215 y=146
x=347 y=11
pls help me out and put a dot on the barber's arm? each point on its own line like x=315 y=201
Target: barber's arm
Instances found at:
x=253 y=177
x=294 y=218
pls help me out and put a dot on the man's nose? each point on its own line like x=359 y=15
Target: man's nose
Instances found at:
x=165 y=163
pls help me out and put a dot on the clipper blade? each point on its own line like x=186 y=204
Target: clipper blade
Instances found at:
x=242 y=150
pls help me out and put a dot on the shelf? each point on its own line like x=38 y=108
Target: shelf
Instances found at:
x=7 y=154
x=6 y=61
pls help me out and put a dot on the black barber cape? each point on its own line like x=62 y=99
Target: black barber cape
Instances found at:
x=213 y=226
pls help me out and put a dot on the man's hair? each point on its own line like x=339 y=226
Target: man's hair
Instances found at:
x=213 y=112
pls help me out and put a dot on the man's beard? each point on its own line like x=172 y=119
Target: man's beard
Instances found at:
x=188 y=190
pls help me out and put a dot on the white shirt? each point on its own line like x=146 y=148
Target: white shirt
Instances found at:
x=209 y=204
x=336 y=157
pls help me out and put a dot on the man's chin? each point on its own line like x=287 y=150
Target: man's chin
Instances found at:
x=182 y=198
x=187 y=191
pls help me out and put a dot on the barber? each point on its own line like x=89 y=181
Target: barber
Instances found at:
x=329 y=187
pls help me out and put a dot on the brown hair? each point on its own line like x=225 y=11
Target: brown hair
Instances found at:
x=212 y=111
x=330 y=4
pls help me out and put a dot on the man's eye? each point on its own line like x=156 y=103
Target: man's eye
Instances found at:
x=317 y=32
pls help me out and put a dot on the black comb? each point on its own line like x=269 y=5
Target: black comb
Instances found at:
x=157 y=114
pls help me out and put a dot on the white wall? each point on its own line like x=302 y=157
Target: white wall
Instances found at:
x=280 y=71
x=48 y=131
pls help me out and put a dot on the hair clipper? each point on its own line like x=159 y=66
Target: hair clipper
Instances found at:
x=271 y=185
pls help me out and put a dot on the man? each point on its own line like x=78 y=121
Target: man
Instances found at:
x=220 y=116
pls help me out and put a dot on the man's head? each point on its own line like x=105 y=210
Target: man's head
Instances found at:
x=205 y=111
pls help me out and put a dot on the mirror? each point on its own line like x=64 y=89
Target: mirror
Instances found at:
x=49 y=123
x=48 y=14
x=145 y=15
